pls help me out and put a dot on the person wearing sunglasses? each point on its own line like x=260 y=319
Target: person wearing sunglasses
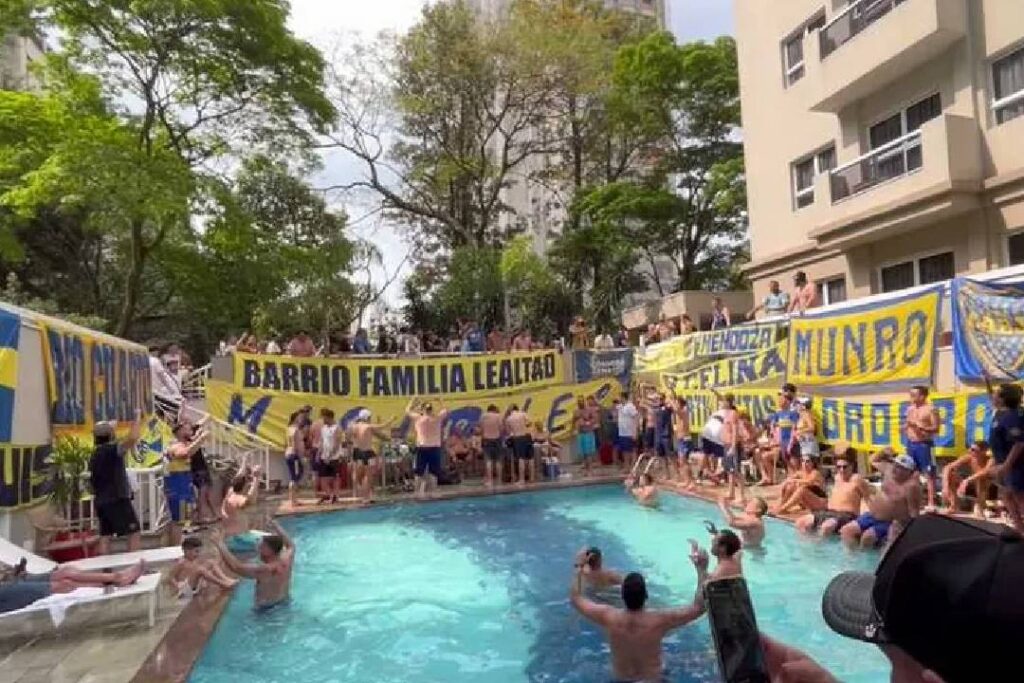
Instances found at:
x=844 y=502
x=966 y=476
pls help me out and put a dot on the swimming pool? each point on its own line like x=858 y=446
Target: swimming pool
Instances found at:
x=477 y=590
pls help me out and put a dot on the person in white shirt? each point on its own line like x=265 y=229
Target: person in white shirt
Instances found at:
x=628 y=418
x=603 y=342
x=166 y=390
x=273 y=347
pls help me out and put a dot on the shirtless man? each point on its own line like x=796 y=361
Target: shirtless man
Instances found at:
x=726 y=546
x=805 y=294
x=585 y=421
x=234 y=519
x=750 y=522
x=976 y=482
x=844 y=503
x=921 y=427
x=635 y=633
x=684 y=442
x=491 y=426
x=518 y=426
x=897 y=502
x=364 y=459
x=273 y=574
x=458 y=450
x=643 y=489
x=190 y=575
x=589 y=561
x=427 y=426
x=805 y=488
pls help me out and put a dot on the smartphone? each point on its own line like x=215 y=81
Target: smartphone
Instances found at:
x=734 y=630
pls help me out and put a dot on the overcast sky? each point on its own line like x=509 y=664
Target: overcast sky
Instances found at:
x=321 y=22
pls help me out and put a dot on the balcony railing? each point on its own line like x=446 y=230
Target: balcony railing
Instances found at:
x=855 y=18
x=891 y=160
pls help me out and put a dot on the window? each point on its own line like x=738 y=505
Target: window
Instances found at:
x=1015 y=249
x=1008 y=86
x=832 y=291
x=921 y=271
x=902 y=158
x=793 y=49
x=804 y=172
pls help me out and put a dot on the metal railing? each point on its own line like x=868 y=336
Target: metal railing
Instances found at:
x=193 y=385
x=234 y=447
x=855 y=18
x=891 y=160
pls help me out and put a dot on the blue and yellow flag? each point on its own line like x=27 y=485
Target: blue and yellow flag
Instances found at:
x=10 y=331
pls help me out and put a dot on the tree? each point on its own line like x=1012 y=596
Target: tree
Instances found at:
x=692 y=202
x=465 y=106
x=540 y=300
x=202 y=79
x=468 y=285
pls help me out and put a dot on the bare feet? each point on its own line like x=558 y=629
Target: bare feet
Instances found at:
x=131 y=575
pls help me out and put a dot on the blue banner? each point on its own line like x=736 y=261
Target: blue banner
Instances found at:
x=988 y=330
x=616 y=363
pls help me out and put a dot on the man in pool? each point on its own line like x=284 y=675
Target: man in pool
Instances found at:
x=848 y=492
x=726 y=546
x=750 y=522
x=590 y=561
x=896 y=504
x=643 y=489
x=273 y=574
x=635 y=633
x=19 y=590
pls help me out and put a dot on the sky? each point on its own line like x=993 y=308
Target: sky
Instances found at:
x=326 y=22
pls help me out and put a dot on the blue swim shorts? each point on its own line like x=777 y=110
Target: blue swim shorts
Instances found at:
x=178 y=490
x=881 y=528
x=921 y=452
x=586 y=442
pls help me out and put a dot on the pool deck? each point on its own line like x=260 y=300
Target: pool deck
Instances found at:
x=167 y=652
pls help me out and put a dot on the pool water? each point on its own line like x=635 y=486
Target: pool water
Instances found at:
x=477 y=590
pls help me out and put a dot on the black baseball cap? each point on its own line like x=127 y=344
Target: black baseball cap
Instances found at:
x=949 y=593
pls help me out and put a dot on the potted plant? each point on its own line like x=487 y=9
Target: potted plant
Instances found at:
x=69 y=459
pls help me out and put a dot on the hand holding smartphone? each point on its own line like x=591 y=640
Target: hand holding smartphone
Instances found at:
x=734 y=629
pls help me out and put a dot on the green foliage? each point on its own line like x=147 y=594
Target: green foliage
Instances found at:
x=540 y=300
x=69 y=458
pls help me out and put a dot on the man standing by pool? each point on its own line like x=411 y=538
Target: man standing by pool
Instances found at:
x=518 y=425
x=491 y=426
x=364 y=459
x=628 y=417
x=635 y=634
x=921 y=427
x=585 y=421
x=427 y=426
x=273 y=574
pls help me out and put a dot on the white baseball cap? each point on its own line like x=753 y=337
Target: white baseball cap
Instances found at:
x=364 y=414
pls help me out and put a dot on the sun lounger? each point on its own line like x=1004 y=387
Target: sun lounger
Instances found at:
x=11 y=554
x=84 y=607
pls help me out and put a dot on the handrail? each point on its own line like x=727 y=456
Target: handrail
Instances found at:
x=878 y=151
x=194 y=383
x=829 y=45
x=1008 y=100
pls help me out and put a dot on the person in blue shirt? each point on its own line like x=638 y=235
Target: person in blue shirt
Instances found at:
x=1006 y=439
x=783 y=422
x=474 y=338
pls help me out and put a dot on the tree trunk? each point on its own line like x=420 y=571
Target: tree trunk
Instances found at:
x=133 y=283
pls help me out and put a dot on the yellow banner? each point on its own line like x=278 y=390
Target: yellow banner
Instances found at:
x=877 y=345
x=755 y=369
x=868 y=426
x=92 y=379
x=681 y=352
x=24 y=475
x=266 y=413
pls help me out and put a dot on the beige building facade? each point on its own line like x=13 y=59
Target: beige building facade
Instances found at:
x=884 y=140
x=17 y=53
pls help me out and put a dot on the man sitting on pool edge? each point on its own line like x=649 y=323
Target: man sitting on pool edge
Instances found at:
x=635 y=634
x=273 y=574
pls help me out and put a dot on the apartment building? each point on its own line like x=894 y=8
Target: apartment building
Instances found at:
x=884 y=140
x=16 y=56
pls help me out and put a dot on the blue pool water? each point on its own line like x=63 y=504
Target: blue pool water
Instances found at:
x=477 y=590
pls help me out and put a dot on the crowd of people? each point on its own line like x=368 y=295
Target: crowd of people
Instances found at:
x=469 y=336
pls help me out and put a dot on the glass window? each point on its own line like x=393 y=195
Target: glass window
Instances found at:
x=794 y=50
x=803 y=182
x=886 y=131
x=897 y=277
x=832 y=291
x=826 y=160
x=1008 y=83
x=925 y=110
x=936 y=268
x=1015 y=249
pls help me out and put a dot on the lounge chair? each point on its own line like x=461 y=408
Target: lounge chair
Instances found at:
x=83 y=607
x=11 y=554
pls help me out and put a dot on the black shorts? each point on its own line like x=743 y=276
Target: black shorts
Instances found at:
x=650 y=439
x=117 y=518
x=713 y=449
x=522 y=447
x=363 y=456
x=328 y=468
x=201 y=478
x=993 y=491
x=817 y=490
x=492 y=449
x=842 y=518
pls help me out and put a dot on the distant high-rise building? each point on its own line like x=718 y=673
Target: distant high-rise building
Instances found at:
x=16 y=56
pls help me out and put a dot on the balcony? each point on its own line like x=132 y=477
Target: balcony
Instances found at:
x=874 y=42
x=928 y=175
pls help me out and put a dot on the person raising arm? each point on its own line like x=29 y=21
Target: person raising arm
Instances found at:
x=273 y=574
